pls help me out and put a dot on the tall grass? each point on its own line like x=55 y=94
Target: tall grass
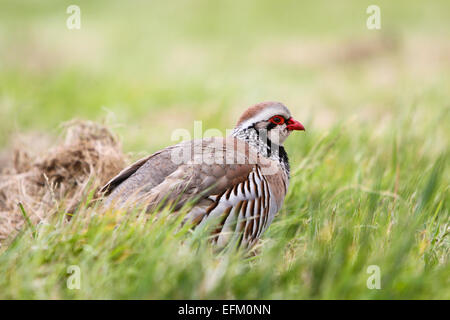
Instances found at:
x=370 y=178
x=346 y=210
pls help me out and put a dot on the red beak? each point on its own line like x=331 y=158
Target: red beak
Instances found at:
x=294 y=125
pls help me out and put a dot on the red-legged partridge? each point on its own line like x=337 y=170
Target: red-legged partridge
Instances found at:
x=240 y=180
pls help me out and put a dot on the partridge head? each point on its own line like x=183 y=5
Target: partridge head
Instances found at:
x=239 y=182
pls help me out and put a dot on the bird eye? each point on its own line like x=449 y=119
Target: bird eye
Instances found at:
x=277 y=120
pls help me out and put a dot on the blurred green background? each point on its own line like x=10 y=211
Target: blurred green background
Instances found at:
x=370 y=179
x=152 y=66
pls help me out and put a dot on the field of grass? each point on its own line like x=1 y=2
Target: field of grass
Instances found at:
x=370 y=177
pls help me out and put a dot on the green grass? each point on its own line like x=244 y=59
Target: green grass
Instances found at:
x=370 y=178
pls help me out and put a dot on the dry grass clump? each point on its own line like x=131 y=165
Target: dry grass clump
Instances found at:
x=56 y=178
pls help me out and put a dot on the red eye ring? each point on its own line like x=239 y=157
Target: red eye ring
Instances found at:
x=278 y=120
